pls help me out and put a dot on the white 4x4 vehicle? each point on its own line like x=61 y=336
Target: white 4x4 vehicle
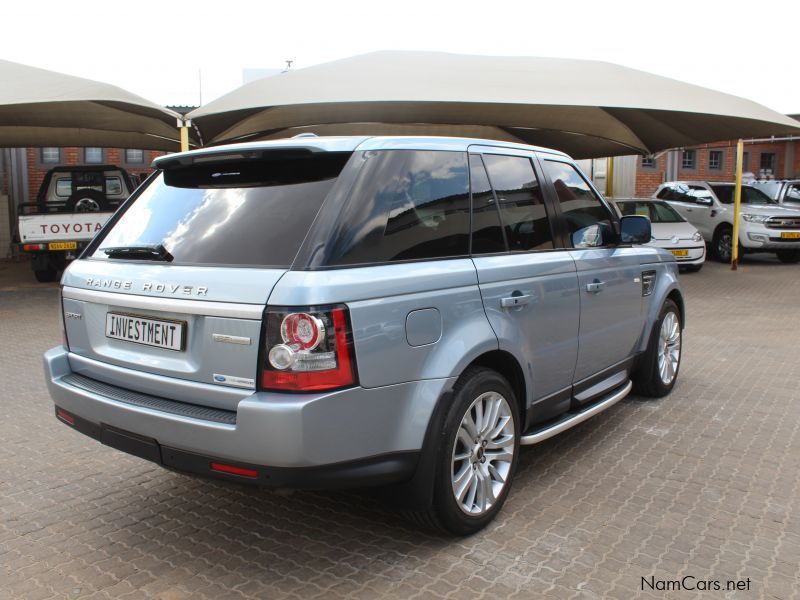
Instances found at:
x=765 y=225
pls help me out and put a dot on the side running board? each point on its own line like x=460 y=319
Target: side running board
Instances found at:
x=572 y=419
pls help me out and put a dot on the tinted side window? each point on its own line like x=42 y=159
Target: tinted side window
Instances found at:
x=406 y=204
x=519 y=197
x=487 y=231
x=588 y=220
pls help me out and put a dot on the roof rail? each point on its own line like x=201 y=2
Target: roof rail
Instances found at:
x=305 y=134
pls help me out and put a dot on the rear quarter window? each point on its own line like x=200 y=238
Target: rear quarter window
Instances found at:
x=405 y=205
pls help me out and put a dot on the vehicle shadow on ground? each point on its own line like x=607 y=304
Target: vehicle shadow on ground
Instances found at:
x=303 y=540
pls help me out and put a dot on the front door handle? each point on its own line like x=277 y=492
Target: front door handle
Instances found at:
x=595 y=286
x=514 y=301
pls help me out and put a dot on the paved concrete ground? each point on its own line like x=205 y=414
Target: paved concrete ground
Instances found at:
x=703 y=483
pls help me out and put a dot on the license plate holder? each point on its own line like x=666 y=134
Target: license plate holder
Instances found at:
x=790 y=235
x=167 y=334
x=62 y=246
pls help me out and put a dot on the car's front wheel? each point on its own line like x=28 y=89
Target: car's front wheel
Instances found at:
x=477 y=454
x=722 y=244
x=658 y=369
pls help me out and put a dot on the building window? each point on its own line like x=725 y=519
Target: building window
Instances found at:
x=689 y=160
x=767 y=165
x=134 y=157
x=745 y=162
x=715 y=159
x=51 y=156
x=93 y=156
x=648 y=162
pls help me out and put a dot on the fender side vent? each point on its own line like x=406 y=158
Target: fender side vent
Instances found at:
x=648 y=282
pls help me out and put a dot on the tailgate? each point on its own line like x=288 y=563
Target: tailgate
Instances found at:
x=167 y=331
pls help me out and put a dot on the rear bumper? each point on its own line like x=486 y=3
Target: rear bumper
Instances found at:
x=355 y=436
x=377 y=470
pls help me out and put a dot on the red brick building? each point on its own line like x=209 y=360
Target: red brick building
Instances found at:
x=717 y=162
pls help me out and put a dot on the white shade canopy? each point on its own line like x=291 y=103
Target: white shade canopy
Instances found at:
x=45 y=108
x=585 y=108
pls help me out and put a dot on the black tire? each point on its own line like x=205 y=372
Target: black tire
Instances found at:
x=722 y=244
x=87 y=201
x=445 y=514
x=46 y=275
x=788 y=256
x=647 y=380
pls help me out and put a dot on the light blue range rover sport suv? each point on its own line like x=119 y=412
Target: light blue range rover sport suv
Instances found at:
x=385 y=311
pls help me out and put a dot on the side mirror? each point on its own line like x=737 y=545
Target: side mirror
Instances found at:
x=635 y=229
x=704 y=201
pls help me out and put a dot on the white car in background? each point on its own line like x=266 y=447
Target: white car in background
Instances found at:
x=670 y=230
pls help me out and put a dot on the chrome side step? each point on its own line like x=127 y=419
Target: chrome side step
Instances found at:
x=570 y=421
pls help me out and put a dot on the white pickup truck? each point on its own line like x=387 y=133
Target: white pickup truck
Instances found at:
x=72 y=205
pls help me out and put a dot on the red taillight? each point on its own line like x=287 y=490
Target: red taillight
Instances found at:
x=233 y=470
x=34 y=247
x=309 y=350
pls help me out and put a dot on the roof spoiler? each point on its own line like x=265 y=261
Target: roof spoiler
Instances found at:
x=227 y=154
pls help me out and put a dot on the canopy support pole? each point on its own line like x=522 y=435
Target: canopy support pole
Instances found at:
x=737 y=204
x=610 y=177
x=183 y=126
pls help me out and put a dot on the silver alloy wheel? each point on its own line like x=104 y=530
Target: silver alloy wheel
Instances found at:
x=87 y=205
x=483 y=453
x=669 y=348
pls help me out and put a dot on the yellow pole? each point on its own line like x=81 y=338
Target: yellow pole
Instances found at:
x=610 y=177
x=184 y=138
x=737 y=204
x=183 y=127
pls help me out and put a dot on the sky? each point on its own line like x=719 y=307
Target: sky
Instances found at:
x=178 y=53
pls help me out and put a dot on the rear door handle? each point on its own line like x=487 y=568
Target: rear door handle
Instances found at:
x=595 y=286
x=513 y=301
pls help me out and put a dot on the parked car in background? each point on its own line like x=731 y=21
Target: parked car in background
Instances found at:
x=73 y=203
x=765 y=225
x=333 y=312
x=785 y=192
x=670 y=230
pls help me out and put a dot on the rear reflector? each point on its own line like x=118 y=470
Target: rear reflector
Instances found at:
x=34 y=247
x=233 y=470
x=65 y=416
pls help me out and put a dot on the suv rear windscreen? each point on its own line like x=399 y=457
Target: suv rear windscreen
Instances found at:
x=251 y=213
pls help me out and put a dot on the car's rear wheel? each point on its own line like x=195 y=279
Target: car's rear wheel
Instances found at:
x=788 y=256
x=659 y=366
x=477 y=454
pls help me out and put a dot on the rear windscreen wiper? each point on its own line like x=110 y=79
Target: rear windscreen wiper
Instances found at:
x=151 y=252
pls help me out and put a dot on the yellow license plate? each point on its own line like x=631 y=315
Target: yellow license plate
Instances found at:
x=62 y=246
x=680 y=252
x=790 y=235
